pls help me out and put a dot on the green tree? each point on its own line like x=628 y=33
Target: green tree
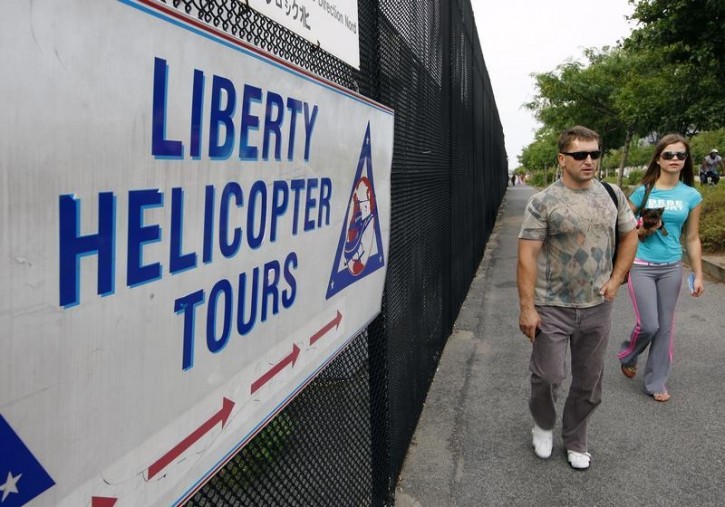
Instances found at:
x=540 y=154
x=685 y=42
x=668 y=76
x=597 y=95
x=577 y=94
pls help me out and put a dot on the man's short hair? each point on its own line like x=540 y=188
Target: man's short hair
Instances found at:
x=577 y=132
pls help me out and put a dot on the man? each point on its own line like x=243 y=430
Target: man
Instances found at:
x=711 y=167
x=566 y=285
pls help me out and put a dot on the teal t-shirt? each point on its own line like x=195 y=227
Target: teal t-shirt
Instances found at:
x=678 y=202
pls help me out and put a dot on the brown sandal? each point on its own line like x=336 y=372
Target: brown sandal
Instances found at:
x=629 y=371
x=662 y=397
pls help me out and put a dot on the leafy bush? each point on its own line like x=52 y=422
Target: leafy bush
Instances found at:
x=537 y=179
x=639 y=154
x=634 y=177
x=702 y=143
x=256 y=458
x=712 y=218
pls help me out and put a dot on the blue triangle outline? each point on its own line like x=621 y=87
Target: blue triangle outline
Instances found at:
x=341 y=279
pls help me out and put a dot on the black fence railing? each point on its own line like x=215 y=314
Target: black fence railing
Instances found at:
x=343 y=440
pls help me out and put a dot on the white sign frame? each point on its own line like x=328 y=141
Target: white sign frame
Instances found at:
x=127 y=241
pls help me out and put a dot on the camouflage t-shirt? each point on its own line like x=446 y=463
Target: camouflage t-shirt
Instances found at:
x=577 y=228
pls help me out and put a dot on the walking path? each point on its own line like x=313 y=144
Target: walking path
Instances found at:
x=472 y=446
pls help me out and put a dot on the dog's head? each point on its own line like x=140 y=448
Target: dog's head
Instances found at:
x=651 y=217
x=652 y=220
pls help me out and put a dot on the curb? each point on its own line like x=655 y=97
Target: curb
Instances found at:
x=709 y=267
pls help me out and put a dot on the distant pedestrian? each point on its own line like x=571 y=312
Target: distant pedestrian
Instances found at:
x=656 y=275
x=711 y=168
x=566 y=285
x=513 y=180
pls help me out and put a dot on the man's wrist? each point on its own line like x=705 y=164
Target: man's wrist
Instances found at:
x=617 y=277
x=525 y=307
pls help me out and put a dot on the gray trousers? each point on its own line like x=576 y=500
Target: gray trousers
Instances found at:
x=654 y=291
x=586 y=332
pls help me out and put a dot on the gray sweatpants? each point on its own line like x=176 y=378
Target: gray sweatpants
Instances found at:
x=654 y=291
x=586 y=332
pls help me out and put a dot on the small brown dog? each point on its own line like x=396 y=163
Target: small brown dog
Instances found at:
x=652 y=221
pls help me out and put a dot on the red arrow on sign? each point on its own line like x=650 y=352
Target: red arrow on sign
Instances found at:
x=290 y=359
x=102 y=501
x=202 y=430
x=322 y=332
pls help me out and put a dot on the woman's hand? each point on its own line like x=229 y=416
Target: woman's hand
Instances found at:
x=698 y=287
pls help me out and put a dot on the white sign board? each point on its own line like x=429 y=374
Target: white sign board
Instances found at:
x=331 y=24
x=190 y=231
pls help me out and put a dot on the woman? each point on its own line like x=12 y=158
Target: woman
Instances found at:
x=656 y=275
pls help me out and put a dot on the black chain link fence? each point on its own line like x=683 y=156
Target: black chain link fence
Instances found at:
x=343 y=440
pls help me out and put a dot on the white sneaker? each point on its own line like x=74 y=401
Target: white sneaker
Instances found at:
x=578 y=460
x=543 y=441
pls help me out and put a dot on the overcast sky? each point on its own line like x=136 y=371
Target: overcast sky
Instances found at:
x=519 y=37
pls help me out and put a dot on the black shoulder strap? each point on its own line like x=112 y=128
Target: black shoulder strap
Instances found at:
x=648 y=190
x=611 y=193
x=610 y=190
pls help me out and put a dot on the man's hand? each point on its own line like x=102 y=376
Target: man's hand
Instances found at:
x=609 y=290
x=529 y=322
x=529 y=319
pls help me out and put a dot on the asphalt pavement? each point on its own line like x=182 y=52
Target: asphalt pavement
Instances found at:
x=472 y=445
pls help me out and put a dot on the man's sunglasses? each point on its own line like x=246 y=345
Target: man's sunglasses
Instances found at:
x=669 y=155
x=582 y=155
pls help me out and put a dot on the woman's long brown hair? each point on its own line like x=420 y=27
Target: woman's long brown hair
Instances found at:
x=687 y=175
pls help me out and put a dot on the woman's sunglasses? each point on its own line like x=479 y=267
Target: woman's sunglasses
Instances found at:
x=669 y=155
x=582 y=155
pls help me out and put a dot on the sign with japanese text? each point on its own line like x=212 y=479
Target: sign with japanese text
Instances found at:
x=331 y=24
